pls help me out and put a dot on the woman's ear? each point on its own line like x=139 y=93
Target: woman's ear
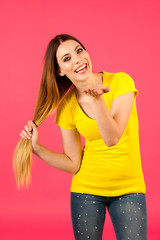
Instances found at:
x=60 y=73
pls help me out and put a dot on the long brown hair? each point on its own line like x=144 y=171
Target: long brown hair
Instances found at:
x=53 y=87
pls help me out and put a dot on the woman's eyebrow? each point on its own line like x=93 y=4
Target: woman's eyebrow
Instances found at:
x=68 y=53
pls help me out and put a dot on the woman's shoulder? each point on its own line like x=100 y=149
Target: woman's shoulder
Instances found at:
x=114 y=77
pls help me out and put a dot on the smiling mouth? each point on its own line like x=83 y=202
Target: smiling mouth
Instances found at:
x=81 y=69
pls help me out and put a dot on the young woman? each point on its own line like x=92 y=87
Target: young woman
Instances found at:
x=102 y=108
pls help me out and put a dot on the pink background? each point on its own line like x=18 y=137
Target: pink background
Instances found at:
x=120 y=36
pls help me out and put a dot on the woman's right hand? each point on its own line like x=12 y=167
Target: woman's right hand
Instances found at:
x=30 y=131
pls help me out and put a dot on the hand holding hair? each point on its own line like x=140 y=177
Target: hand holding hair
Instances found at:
x=30 y=131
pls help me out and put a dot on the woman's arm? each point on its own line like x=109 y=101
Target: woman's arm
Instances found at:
x=112 y=124
x=69 y=160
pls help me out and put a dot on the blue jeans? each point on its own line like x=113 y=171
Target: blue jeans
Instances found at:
x=128 y=214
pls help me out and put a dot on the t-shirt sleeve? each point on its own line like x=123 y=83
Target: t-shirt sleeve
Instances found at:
x=63 y=117
x=122 y=83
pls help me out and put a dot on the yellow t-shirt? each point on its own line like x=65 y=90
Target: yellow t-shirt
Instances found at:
x=105 y=171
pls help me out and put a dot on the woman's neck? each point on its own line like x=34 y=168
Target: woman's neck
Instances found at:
x=95 y=81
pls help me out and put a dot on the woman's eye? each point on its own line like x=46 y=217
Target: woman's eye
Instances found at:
x=80 y=49
x=66 y=59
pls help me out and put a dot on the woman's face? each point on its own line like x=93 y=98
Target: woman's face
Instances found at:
x=74 y=61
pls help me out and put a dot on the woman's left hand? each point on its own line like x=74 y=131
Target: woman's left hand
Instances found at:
x=96 y=92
